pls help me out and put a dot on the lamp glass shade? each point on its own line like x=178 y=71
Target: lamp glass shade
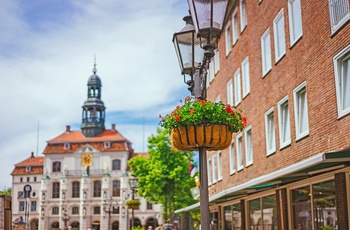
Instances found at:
x=208 y=16
x=133 y=182
x=187 y=47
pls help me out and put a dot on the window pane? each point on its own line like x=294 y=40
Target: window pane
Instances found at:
x=285 y=122
x=249 y=147
x=325 y=212
x=345 y=81
x=295 y=20
x=56 y=190
x=245 y=77
x=301 y=208
x=33 y=206
x=116 y=188
x=97 y=188
x=235 y=28
x=255 y=220
x=269 y=210
x=232 y=157
x=228 y=217
x=237 y=216
x=239 y=153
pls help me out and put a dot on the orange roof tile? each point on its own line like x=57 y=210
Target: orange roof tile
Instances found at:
x=31 y=161
x=22 y=170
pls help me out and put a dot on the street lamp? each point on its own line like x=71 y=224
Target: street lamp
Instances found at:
x=133 y=186
x=65 y=218
x=208 y=19
x=108 y=208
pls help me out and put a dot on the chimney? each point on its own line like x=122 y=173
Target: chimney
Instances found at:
x=32 y=155
x=67 y=128
x=113 y=126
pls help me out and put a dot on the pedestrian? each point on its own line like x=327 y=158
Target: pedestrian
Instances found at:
x=150 y=228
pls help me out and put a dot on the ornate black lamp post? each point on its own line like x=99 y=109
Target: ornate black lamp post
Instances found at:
x=108 y=208
x=133 y=186
x=208 y=19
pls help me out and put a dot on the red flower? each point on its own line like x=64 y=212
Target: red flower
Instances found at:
x=187 y=98
x=203 y=102
x=177 y=118
x=244 y=121
x=178 y=107
x=228 y=108
x=192 y=111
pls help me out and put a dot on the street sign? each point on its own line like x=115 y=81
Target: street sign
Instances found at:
x=27 y=189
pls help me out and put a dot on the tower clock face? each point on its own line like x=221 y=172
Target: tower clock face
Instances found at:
x=86 y=159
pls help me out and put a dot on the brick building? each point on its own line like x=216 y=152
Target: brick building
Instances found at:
x=286 y=64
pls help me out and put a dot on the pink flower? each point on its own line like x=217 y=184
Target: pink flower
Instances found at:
x=187 y=98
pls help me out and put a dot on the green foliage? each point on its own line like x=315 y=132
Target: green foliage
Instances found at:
x=327 y=227
x=137 y=228
x=163 y=177
x=196 y=112
x=132 y=202
x=6 y=191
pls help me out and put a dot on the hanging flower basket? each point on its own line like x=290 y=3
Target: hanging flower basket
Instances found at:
x=200 y=123
x=211 y=136
x=133 y=204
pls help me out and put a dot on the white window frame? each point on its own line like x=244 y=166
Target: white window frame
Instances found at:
x=243 y=14
x=229 y=92
x=211 y=71
x=300 y=105
x=107 y=144
x=295 y=19
x=210 y=179
x=342 y=80
x=342 y=9
x=245 y=77
x=239 y=151
x=270 y=132
x=219 y=160
x=284 y=122
x=279 y=36
x=235 y=29
x=231 y=154
x=218 y=98
x=214 y=168
x=237 y=87
x=248 y=144
x=66 y=146
x=216 y=61
x=228 y=43
x=266 y=61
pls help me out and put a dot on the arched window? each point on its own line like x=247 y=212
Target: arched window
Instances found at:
x=115 y=225
x=56 y=190
x=55 y=225
x=56 y=166
x=55 y=211
x=75 y=189
x=75 y=211
x=116 y=188
x=116 y=164
x=97 y=188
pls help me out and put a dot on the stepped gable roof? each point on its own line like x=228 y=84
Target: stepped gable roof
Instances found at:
x=76 y=139
x=36 y=164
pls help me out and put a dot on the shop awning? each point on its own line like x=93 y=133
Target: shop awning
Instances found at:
x=318 y=164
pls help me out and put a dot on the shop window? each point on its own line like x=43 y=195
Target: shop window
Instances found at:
x=301 y=208
x=263 y=213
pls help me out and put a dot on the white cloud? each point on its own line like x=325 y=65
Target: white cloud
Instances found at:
x=45 y=64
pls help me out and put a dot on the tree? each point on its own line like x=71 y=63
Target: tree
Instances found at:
x=6 y=191
x=164 y=175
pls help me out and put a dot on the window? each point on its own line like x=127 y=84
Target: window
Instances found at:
x=231 y=152
x=243 y=12
x=116 y=188
x=262 y=208
x=56 y=190
x=66 y=146
x=35 y=179
x=270 y=132
x=239 y=152
x=214 y=167
x=210 y=181
x=342 y=80
x=235 y=33
x=75 y=211
x=211 y=73
x=21 y=206
x=75 y=189
x=216 y=61
x=229 y=90
x=56 y=166
x=245 y=77
x=338 y=13
x=284 y=122
x=97 y=188
x=97 y=210
x=248 y=146
x=28 y=179
x=266 y=52
x=116 y=164
x=295 y=23
x=237 y=85
x=219 y=166
x=228 y=38
x=300 y=111
x=33 y=205
x=278 y=28
x=149 y=206
x=115 y=209
x=55 y=211
x=28 y=168
x=21 y=179
x=107 y=144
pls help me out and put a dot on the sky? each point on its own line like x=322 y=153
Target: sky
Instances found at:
x=47 y=53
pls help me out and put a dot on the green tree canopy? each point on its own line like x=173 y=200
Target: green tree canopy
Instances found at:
x=164 y=175
x=6 y=191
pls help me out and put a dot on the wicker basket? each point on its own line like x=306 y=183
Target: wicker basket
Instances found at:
x=212 y=136
x=133 y=206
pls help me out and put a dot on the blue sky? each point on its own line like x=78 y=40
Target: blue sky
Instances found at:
x=47 y=50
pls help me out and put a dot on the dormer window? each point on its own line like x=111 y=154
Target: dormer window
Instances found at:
x=28 y=168
x=66 y=146
x=107 y=144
